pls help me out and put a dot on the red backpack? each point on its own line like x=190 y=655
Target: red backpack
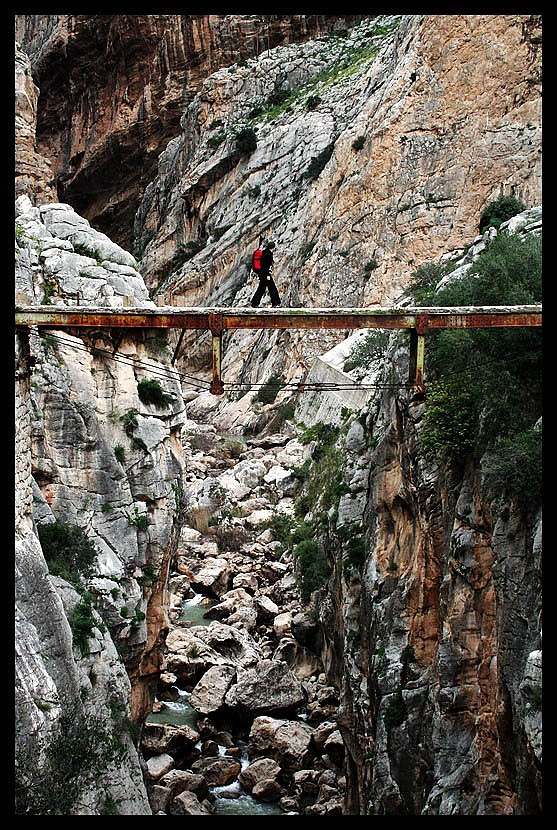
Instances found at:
x=256 y=260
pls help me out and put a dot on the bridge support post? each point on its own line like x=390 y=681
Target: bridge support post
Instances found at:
x=417 y=354
x=216 y=327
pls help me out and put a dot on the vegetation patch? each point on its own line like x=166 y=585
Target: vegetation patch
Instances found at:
x=151 y=392
x=498 y=211
x=82 y=622
x=319 y=162
x=80 y=750
x=270 y=389
x=485 y=385
x=395 y=711
x=312 y=567
x=68 y=551
x=369 y=348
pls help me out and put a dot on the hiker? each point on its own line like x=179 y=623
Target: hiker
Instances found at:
x=264 y=260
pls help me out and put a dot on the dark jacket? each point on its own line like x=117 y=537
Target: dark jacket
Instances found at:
x=266 y=261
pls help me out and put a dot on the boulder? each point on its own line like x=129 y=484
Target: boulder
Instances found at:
x=290 y=743
x=159 y=798
x=188 y=804
x=168 y=738
x=267 y=790
x=218 y=772
x=263 y=769
x=269 y=686
x=157 y=765
x=211 y=575
x=208 y=695
x=178 y=781
x=281 y=624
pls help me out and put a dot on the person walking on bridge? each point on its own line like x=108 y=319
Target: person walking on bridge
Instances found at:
x=264 y=272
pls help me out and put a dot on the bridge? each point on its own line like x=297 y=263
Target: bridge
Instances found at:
x=417 y=320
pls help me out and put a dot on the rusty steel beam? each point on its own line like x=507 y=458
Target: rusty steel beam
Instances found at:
x=217 y=320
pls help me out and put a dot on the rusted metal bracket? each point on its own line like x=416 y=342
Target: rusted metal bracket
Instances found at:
x=216 y=327
x=417 y=353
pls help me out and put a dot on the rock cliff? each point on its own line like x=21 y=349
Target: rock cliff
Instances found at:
x=375 y=153
x=113 y=89
x=99 y=482
x=364 y=152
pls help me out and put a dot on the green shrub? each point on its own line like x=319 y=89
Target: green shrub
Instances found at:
x=67 y=550
x=139 y=444
x=395 y=711
x=498 y=211
x=246 y=141
x=80 y=747
x=324 y=434
x=312 y=567
x=450 y=423
x=282 y=528
x=270 y=389
x=82 y=622
x=139 y=520
x=149 y=575
x=514 y=468
x=369 y=348
x=129 y=421
x=278 y=97
x=313 y=102
x=319 y=162
x=353 y=546
x=215 y=141
x=424 y=280
x=120 y=453
x=484 y=385
x=151 y=392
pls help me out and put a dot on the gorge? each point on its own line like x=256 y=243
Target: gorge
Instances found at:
x=369 y=562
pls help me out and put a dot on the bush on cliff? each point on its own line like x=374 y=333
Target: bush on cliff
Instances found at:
x=498 y=211
x=67 y=550
x=485 y=385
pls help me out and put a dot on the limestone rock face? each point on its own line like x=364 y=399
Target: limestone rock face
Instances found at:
x=441 y=652
x=94 y=457
x=113 y=87
x=33 y=172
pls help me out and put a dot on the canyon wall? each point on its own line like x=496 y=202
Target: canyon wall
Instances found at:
x=437 y=638
x=377 y=149
x=114 y=87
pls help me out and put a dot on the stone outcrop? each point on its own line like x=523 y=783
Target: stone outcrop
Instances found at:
x=33 y=172
x=113 y=88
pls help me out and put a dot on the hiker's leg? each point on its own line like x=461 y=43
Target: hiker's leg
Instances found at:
x=256 y=299
x=273 y=291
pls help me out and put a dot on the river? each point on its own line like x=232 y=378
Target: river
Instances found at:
x=231 y=799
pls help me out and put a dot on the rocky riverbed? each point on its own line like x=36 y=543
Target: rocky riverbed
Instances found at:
x=244 y=711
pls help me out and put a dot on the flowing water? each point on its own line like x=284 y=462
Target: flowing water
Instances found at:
x=230 y=800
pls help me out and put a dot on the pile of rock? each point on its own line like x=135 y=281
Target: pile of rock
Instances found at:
x=266 y=716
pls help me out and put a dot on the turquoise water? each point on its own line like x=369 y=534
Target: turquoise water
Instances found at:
x=193 y=610
x=177 y=712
